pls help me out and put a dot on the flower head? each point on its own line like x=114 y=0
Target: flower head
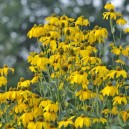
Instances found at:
x=121 y=99
x=82 y=121
x=111 y=15
x=109 y=6
x=109 y=90
x=121 y=21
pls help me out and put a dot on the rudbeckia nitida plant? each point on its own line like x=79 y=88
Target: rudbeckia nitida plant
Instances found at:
x=73 y=86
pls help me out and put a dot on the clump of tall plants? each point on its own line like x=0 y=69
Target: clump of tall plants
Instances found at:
x=73 y=85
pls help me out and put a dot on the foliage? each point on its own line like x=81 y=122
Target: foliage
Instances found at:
x=73 y=86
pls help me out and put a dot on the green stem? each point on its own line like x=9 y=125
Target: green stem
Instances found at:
x=120 y=31
x=111 y=26
x=40 y=86
x=97 y=100
x=6 y=87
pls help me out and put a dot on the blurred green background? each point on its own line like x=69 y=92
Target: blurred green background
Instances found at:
x=18 y=16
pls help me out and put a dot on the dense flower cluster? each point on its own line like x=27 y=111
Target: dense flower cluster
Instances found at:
x=73 y=85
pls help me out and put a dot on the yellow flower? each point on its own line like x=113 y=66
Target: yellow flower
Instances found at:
x=84 y=94
x=12 y=95
x=87 y=51
x=31 y=56
x=50 y=116
x=26 y=118
x=120 y=62
x=125 y=115
x=33 y=69
x=63 y=21
x=41 y=61
x=36 y=110
x=109 y=6
x=19 y=108
x=61 y=86
x=120 y=72
x=26 y=94
x=78 y=37
x=23 y=83
x=117 y=73
x=98 y=79
x=31 y=125
x=69 y=31
x=121 y=99
x=111 y=15
x=3 y=81
x=54 y=35
x=109 y=90
x=90 y=60
x=38 y=61
x=53 y=20
x=98 y=74
x=42 y=125
x=100 y=120
x=0 y=124
x=100 y=34
x=66 y=122
x=57 y=60
x=116 y=50
x=121 y=21
x=53 y=45
x=35 y=79
x=125 y=52
x=52 y=107
x=50 y=40
x=82 y=121
x=126 y=30
x=36 y=32
x=5 y=70
x=101 y=70
x=82 y=21
x=106 y=111
x=79 y=77
x=44 y=103
x=112 y=111
x=32 y=100
x=90 y=37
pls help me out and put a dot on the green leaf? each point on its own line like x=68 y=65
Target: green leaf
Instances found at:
x=11 y=107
